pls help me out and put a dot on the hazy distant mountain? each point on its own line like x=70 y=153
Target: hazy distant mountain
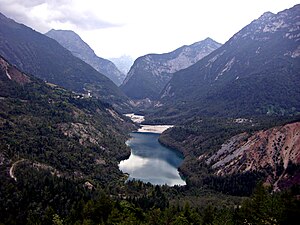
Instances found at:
x=256 y=72
x=72 y=41
x=41 y=56
x=150 y=73
x=123 y=63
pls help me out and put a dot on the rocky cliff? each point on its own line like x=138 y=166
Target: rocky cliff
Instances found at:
x=150 y=73
x=8 y=72
x=275 y=151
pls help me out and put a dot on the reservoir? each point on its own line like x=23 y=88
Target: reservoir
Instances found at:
x=150 y=161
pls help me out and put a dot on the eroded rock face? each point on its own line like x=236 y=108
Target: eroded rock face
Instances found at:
x=86 y=133
x=274 y=151
x=9 y=72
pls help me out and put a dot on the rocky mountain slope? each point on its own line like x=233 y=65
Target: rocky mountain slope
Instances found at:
x=81 y=137
x=275 y=151
x=150 y=73
x=9 y=72
x=255 y=72
x=43 y=57
x=72 y=41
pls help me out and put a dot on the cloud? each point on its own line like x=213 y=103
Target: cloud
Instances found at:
x=45 y=14
x=27 y=3
x=139 y=27
x=84 y=21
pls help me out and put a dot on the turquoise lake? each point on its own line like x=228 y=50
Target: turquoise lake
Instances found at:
x=152 y=162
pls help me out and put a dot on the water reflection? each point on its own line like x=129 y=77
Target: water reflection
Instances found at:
x=151 y=162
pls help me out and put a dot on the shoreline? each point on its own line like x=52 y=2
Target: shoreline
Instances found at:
x=129 y=175
x=135 y=118
x=157 y=129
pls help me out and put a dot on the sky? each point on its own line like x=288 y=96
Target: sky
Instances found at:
x=138 y=27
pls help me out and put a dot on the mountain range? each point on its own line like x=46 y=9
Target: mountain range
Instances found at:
x=72 y=41
x=43 y=57
x=150 y=73
x=235 y=110
x=256 y=72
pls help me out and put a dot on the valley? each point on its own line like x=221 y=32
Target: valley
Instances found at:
x=203 y=134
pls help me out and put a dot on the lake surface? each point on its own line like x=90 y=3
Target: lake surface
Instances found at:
x=151 y=162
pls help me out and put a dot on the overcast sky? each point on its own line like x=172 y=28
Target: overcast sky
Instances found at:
x=138 y=27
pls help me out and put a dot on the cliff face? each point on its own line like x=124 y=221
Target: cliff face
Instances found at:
x=150 y=73
x=275 y=151
x=9 y=72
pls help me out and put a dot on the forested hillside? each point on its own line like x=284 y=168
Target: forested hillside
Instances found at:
x=41 y=56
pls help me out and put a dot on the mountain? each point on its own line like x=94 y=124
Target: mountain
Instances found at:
x=275 y=151
x=47 y=125
x=55 y=146
x=256 y=72
x=43 y=57
x=233 y=155
x=72 y=41
x=150 y=73
x=123 y=63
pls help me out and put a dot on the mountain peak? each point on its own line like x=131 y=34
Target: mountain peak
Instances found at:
x=123 y=63
x=150 y=73
x=209 y=40
x=43 y=57
x=73 y=42
x=206 y=42
x=266 y=15
x=261 y=60
x=63 y=32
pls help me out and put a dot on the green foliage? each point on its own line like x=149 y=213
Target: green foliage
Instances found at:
x=97 y=210
x=34 y=118
x=269 y=208
x=57 y=220
x=41 y=198
x=202 y=135
x=58 y=145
